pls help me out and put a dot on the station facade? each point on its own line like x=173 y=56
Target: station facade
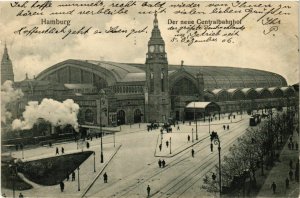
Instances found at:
x=123 y=93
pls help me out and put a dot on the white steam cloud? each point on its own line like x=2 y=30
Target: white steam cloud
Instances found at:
x=55 y=112
x=8 y=95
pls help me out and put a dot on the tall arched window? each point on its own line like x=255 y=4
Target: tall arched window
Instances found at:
x=184 y=87
x=121 y=117
x=89 y=117
x=137 y=116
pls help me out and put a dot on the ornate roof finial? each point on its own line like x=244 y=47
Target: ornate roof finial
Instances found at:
x=181 y=66
x=155 y=22
x=26 y=78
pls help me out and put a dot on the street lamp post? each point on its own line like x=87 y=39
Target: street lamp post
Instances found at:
x=94 y=161
x=13 y=175
x=101 y=132
x=209 y=123
x=78 y=179
x=193 y=135
x=114 y=139
x=170 y=146
x=214 y=137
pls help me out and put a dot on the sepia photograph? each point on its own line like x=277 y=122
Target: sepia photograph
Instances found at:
x=151 y=98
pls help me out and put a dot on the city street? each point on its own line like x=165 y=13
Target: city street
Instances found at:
x=135 y=166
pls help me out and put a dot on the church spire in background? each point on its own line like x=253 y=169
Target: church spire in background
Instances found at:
x=7 y=72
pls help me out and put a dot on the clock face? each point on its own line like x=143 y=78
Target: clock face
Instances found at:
x=161 y=48
x=151 y=48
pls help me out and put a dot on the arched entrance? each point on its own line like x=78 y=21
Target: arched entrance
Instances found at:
x=137 y=116
x=182 y=90
x=121 y=117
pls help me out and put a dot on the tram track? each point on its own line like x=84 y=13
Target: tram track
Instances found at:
x=177 y=161
x=180 y=184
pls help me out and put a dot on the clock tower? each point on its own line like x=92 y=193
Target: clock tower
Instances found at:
x=157 y=84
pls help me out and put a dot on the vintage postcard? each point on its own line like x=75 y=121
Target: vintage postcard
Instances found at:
x=149 y=98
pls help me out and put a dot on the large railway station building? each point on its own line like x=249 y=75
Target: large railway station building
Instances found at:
x=123 y=93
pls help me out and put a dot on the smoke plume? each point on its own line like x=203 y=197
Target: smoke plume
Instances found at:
x=55 y=112
x=8 y=95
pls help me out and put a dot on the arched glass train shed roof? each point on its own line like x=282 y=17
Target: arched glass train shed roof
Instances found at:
x=215 y=77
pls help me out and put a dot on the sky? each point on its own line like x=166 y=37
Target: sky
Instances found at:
x=252 y=49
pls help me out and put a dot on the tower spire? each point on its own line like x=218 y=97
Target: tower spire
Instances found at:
x=155 y=21
x=156 y=38
x=6 y=67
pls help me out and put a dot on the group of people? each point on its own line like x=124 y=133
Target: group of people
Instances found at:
x=293 y=174
x=161 y=163
x=19 y=146
x=62 y=185
x=62 y=151
x=160 y=145
x=72 y=176
x=292 y=145
x=224 y=127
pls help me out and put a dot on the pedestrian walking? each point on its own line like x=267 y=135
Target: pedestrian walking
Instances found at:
x=62 y=150
x=148 y=191
x=213 y=176
x=62 y=186
x=211 y=147
x=21 y=195
x=73 y=176
x=189 y=137
x=193 y=152
x=57 y=151
x=178 y=129
x=287 y=183
x=160 y=146
x=159 y=163
x=273 y=186
x=105 y=177
x=163 y=163
x=291 y=164
x=87 y=145
x=167 y=143
x=291 y=175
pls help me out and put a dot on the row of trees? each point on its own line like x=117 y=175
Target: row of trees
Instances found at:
x=257 y=150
